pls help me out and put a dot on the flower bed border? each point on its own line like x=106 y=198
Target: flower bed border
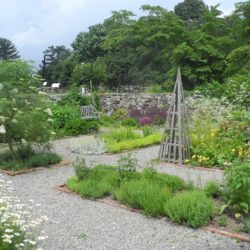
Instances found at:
x=30 y=170
x=108 y=201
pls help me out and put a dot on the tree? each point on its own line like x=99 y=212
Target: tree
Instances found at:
x=238 y=61
x=200 y=60
x=139 y=52
x=86 y=72
x=87 y=45
x=24 y=114
x=190 y=10
x=8 y=50
x=52 y=56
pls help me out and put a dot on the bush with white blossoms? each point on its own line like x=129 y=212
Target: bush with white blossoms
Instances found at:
x=25 y=116
x=19 y=227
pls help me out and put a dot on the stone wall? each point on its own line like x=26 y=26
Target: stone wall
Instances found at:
x=129 y=101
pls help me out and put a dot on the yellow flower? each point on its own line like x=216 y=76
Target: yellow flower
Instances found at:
x=237 y=216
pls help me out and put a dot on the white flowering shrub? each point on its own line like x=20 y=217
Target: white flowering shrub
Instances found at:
x=19 y=227
x=25 y=116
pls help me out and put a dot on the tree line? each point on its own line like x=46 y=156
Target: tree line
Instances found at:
x=126 y=50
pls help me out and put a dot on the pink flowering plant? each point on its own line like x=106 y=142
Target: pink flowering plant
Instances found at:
x=19 y=227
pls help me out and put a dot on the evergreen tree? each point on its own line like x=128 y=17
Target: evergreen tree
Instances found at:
x=7 y=50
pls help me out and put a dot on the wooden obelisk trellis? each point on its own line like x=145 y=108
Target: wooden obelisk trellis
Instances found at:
x=175 y=146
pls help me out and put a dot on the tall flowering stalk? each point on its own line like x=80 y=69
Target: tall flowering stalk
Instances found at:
x=19 y=227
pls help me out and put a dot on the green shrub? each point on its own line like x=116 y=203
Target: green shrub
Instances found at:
x=81 y=170
x=190 y=207
x=212 y=189
x=174 y=183
x=96 y=182
x=127 y=166
x=238 y=186
x=79 y=126
x=144 y=195
x=62 y=114
x=130 y=122
x=223 y=221
x=74 y=98
x=89 y=188
x=119 y=114
x=35 y=160
x=246 y=225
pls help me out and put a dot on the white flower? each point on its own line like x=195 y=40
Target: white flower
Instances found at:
x=32 y=242
x=14 y=91
x=2 y=129
x=8 y=230
x=23 y=140
x=7 y=240
x=48 y=111
x=42 y=237
x=1 y=86
x=2 y=118
x=14 y=120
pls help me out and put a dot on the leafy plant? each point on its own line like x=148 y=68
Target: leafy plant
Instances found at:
x=144 y=195
x=223 y=221
x=129 y=122
x=246 y=225
x=190 y=207
x=19 y=103
x=212 y=189
x=238 y=186
x=78 y=126
x=36 y=159
x=81 y=170
x=96 y=182
x=127 y=166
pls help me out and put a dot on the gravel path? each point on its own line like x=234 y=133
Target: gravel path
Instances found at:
x=145 y=155
x=76 y=223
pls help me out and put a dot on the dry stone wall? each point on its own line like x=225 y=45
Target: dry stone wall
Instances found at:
x=130 y=101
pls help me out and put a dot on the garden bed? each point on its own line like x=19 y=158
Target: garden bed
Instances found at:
x=213 y=227
x=30 y=170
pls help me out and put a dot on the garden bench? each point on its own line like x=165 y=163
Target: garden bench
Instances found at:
x=89 y=112
x=55 y=86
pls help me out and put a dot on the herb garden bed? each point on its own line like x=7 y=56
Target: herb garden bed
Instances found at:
x=165 y=196
x=213 y=227
x=30 y=170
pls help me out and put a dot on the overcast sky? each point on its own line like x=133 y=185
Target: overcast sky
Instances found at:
x=33 y=25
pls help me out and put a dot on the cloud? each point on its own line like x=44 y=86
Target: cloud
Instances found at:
x=33 y=25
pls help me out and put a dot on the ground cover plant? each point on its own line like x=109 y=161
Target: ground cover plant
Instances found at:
x=126 y=139
x=146 y=190
x=31 y=160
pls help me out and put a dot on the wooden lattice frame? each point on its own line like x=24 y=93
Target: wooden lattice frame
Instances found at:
x=175 y=146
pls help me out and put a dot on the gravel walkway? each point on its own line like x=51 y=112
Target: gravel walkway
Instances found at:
x=76 y=223
x=145 y=155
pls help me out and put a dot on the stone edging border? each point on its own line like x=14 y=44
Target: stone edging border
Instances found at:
x=30 y=170
x=63 y=188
